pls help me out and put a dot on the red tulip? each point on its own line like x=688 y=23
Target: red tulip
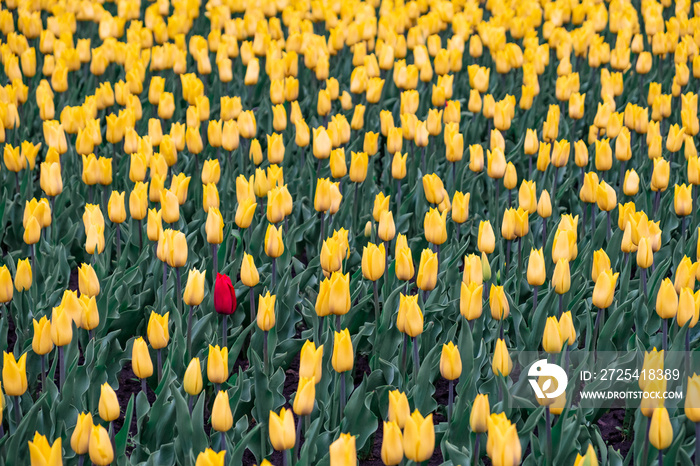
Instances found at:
x=224 y=295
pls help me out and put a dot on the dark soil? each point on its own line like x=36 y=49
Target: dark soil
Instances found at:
x=610 y=429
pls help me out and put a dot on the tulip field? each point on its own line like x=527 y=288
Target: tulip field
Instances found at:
x=349 y=232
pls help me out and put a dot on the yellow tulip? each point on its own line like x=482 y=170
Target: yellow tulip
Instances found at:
x=604 y=290
x=266 y=312
x=470 y=300
x=552 y=338
x=561 y=279
x=343 y=355
x=80 y=438
x=217 y=364
x=498 y=303
x=157 y=330
x=43 y=454
x=343 y=451
x=502 y=364
x=536 y=272
x=192 y=381
x=478 y=418
x=282 y=434
x=410 y=317
x=666 y=300
x=419 y=437
x=141 y=359
x=427 y=270
x=399 y=410
x=14 y=374
x=660 y=430
x=373 y=261
x=274 y=245
x=392 y=444
x=692 y=399
x=450 y=362
x=108 y=404
x=311 y=361
x=100 y=446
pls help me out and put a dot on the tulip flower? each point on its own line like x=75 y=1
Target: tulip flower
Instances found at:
x=80 y=438
x=404 y=267
x=419 y=437
x=502 y=364
x=211 y=458
x=304 y=398
x=100 y=446
x=217 y=364
x=88 y=282
x=14 y=379
x=281 y=430
x=503 y=445
x=392 y=444
x=666 y=305
x=660 y=430
x=221 y=415
x=470 y=300
x=552 y=338
x=108 y=404
x=434 y=226
x=373 y=261
x=427 y=271
x=589 y=458
x=399 y=410
x=224 y=302
x=192 y=381
x=604 y=289
x=41 y=453
x=478 y=418
x=23 y=275
x=486 y=240
x=42 y=343
x=451 y=369
x=561 y=279
x=141 y=361
x=310 y=361
x=498 y=303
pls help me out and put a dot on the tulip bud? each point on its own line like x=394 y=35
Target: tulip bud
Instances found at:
x=100 y=446
x=419 y=437
x=266 y=312
x=194 y=290
x=157 y=330
x=470 y=300
x=79 y=440
x=427 y=270
x=660 y=429
x=211 y=458
x=282 y=434
x=561 y=279
x=343 y=356
x=141 y=359
x=305 y=397
x=274 y=246
x=192 y=382
x=373 y=261
x=479 y=414
x=108 y=404
x=692 y=399
x=221 y=415
x=502 y=364
x=666 y=300
x=498 y=302
x=14 y=374
x=61 y=327
x=552 y=338
x=450 y=362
